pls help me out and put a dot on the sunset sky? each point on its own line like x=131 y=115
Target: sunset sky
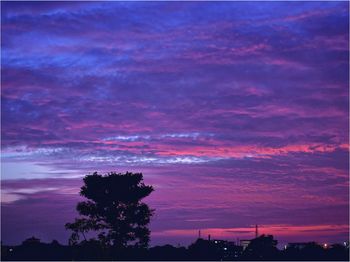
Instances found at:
x=237 y=114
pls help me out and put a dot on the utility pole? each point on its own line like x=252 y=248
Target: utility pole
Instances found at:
x=256 y=231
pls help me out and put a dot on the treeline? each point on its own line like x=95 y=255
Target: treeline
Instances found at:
x=261 y=248
x=114 y=213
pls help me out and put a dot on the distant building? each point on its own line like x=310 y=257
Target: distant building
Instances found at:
x=244 y=243
x=228 y=249
x=299 y=245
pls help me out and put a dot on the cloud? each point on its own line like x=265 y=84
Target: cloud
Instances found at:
x=230 y=109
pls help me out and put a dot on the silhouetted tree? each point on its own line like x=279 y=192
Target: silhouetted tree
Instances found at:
x=203 y=250
x=262 y=248
x=167 y=253
x=313 y=251
x=113 y=210
x=338 y=252
x=31 y=241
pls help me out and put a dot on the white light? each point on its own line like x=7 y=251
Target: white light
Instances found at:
x=225 y=248
x=11 y=249
x=216 y=242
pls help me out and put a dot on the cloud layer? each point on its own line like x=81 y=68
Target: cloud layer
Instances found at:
x=236 y=112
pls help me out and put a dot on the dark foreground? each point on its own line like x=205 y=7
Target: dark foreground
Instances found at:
x=262 y=248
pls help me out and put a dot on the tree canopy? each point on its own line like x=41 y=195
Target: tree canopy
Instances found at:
x=262 y=248
x=113 y=210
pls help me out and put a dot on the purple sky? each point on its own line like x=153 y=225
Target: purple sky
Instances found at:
x=237 y=114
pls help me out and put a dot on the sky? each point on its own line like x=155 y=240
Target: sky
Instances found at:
x=237 y=113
